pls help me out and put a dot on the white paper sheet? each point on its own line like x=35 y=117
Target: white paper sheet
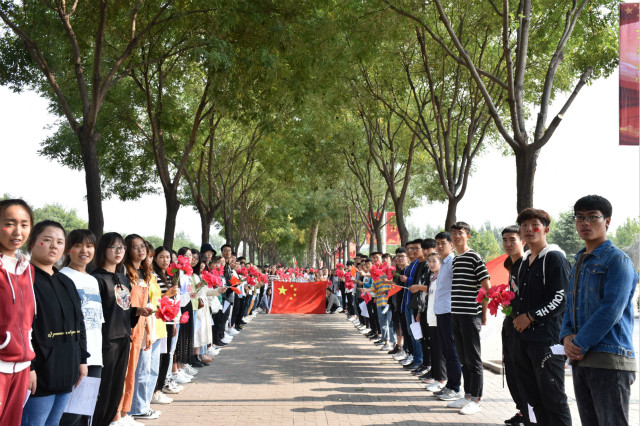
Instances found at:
x=532 y=415
x=363 y=310
x=386 y=308
x=416 y=330
x=557 y=350
x=226 y=306
x=83 y=398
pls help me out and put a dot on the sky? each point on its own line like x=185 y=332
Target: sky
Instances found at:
x=583 y=157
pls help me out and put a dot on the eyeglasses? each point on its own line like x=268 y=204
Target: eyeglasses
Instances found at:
x=593 y=218
x=117 y=249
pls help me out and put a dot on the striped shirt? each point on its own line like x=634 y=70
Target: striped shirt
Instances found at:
x=381 y=290
x=468 y=271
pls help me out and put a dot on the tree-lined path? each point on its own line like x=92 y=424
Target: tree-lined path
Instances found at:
x=306 y=370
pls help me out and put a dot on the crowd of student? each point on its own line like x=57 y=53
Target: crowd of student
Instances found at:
x=432 y=326
x=99 y=316
x=102 y=315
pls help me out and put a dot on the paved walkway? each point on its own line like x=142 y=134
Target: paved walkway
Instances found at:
x=308 y=370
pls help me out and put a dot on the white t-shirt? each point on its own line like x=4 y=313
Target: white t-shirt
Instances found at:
x=89 y=292
x=431 y=315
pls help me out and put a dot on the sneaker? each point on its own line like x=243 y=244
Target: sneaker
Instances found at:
x=407 y=361
x=380 y=342
x=423 y=369
x=387 y=347
x=149 y=415
x=517 y=419
x=400 y=355
x=458 y=403
x=180 y=378
x=472 y=407
x=440 y=392
x=160 y=398
x=226 y=341
x=365 y=331
x=427 y=377
x=450 y=395
x=411 y=366
x=233 y=331
x=395 y=350
x=129 y=421
x=172 y=387
x=212 y=351
x=118 y=423
x=434 y=387
x=190 y=370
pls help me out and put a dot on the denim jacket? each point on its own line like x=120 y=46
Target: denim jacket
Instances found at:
x=603 y=309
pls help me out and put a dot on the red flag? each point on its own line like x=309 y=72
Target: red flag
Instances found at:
x=299 y=298
x=234 y=281
x=629 y=86
x=497 y=272
x=366 y=297
x=394 y=289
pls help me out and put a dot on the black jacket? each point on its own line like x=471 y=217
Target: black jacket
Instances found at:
x=118 y=320
x=59 y=338
x=542 y=292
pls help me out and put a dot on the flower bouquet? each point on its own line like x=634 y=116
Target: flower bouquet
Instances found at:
x=498 y=297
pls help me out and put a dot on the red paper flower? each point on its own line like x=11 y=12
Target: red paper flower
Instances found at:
x=168 y=309
x=498 y=297
x=184 y=318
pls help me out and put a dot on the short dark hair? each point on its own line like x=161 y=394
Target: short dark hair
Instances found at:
x=241 y=259
x=530 y=213
x=39 y=229
x=594 y=202
x=183 y=250
x=386 y=255
x=461 y=226
x=444 y=235
x=401 y=250
x=511 y=229
x=374 y=253
x=350 y=263
x=5 y=204
x=360 y=255
x=428 y=243
x=78 y=236
x=226 y=245
x=366 y=260
x=105 y=241
x=412 y=242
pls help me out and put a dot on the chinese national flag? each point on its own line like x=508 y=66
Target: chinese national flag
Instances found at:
x=497 y=272
x=299 y=298
x=394 y=289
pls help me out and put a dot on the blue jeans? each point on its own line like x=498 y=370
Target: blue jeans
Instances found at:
x=44 y=410
x=602 y=395
x=386 y=325
x=417 y=347
x=146 y=378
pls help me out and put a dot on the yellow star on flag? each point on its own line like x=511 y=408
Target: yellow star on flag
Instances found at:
x=282 y=290
x=291 y=298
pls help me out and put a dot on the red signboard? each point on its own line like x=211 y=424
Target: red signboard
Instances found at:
x=393 y=236
x=629 y=90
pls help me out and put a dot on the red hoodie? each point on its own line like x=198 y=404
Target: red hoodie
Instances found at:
x=17 y=307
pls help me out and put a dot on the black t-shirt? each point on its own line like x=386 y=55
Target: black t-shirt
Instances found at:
x=115 y=291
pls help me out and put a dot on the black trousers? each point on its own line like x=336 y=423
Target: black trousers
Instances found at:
x=372 y=309
x=466 y=334
x=542 y=376
x=115 y=357
x=448 y=345
x=218 y=325
x=408 y=344
x=69 y=419
x=349 y=304
x=165 y=359
x=425 y=341
x=438 y=362
x=238 y=309
x=513 y=383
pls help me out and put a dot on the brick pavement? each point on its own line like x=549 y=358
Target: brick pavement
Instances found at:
x=314 y=370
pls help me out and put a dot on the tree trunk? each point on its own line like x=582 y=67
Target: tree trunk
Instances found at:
x=526 y=163
x=89 y=143
x=313 y=243
x=451 y=213
x=379 y=238
x=205 y=224
x=173 y=205
x=402 y=225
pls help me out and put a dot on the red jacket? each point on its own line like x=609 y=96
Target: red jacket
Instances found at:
x=17 y=307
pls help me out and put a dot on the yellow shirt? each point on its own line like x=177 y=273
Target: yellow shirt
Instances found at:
x=154 y=297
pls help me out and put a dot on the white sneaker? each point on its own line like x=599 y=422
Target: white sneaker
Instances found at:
x=387 y=347
x=118 y=423
x=472 y=407
x=129 y=421
x=225 y=340
x=189 y=370
x=170 y=386
x=365 y=331
x=213 y=351
x=458 y=403
x=228 y=335
x=160 y=398
x=180 y=378
x=233 y=331
x=149 y=415
x=433 y=387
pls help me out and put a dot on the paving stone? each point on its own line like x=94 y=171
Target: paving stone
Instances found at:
x=317 y=370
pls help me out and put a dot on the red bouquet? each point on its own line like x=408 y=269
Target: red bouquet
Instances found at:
x=348 y=281
x=498 y=297
x=213 y=279
x=168 y=309
x=183 y=264
x=339 y=273
x=376 y=272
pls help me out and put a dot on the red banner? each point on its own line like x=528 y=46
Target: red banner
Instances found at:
x=299 y=298
x=497 y=272
x=629 y=90
x=393 y=236
x=352 y=250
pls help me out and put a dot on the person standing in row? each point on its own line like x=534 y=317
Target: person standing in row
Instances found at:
x=17 y=305
x=59 y=337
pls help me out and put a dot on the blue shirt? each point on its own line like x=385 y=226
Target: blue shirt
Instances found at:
x=442 y=303
x=409 y=271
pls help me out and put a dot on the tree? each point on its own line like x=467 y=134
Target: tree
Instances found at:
x=543 y=51
x=485 y=244
x=563 y=233
x=69 y=219
x=50 y=45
